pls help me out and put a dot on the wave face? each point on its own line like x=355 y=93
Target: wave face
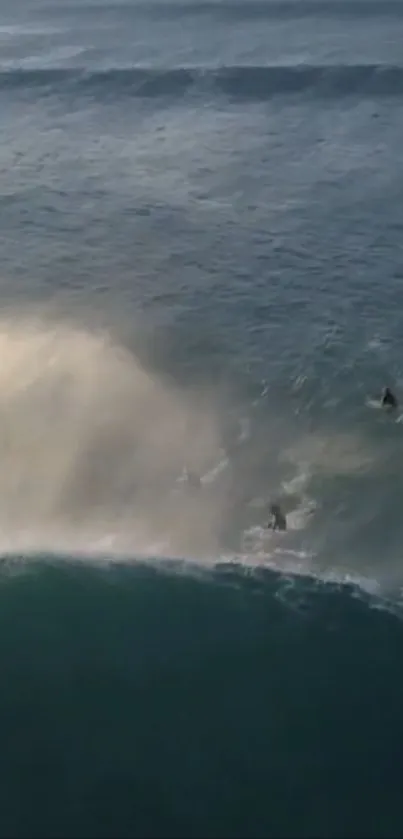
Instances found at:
x=138 y=702
x=238 y=83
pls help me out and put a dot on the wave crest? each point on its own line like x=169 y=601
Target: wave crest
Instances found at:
x=234 y=82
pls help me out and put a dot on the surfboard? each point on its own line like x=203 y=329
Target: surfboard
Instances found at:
x=374 y=403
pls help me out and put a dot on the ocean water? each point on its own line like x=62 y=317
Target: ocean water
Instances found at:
x=201 y=271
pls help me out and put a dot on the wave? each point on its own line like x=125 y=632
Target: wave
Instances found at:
x=132 y=672
x=251 y=9
x=234 y=82
x=95 y=445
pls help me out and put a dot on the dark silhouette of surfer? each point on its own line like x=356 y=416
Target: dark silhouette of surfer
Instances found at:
x=278 y=520
x=388 y=399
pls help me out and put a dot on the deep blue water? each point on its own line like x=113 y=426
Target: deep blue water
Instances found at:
x=201 y=241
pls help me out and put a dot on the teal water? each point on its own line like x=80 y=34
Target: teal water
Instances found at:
x=141 y=701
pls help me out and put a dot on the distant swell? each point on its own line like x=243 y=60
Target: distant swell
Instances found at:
x=252 y=9
x=242 y=82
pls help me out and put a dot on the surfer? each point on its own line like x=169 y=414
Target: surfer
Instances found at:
x=388 y=398
x=278 y=520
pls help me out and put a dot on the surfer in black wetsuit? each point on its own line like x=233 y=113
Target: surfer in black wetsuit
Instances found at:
x=388 y=398
x=278 y=520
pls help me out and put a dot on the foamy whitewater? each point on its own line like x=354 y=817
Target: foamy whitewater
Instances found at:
x=201 y=239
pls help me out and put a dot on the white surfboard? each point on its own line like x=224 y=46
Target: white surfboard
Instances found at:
x=374 y=403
